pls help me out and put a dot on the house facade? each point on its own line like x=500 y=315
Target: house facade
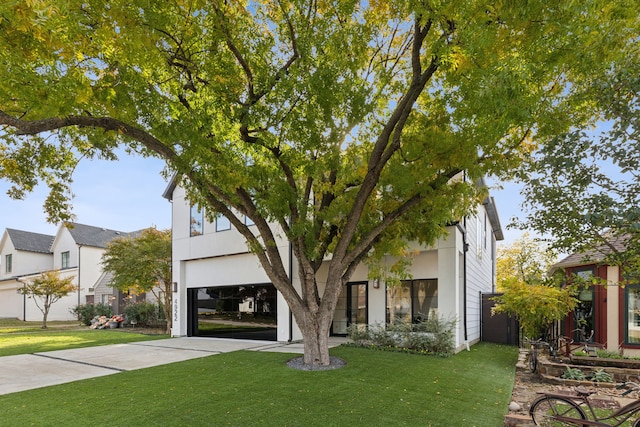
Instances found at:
x=220 y=288
x=76 y=250
x=611 y=311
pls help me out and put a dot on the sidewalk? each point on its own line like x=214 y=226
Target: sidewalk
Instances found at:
x=29 y=371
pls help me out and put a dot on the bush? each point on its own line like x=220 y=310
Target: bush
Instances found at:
x=144 y=313
x=433 y=336
x=86 y=312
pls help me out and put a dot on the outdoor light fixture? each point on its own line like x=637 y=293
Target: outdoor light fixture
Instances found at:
x=376 y=283
x=175 y=286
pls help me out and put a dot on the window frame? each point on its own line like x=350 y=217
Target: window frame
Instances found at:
x=222 y=225
x=627 y=289
x=196 y=220
x=412 y=293
x=8 y=263
x=65 y=259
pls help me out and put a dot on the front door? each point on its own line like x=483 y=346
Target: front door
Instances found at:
x=351 y=308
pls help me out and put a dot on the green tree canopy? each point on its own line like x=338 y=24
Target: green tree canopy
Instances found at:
x=344 y=123
x=527 y=260
x=142 y=264
x=47 y=289
x=583 y=187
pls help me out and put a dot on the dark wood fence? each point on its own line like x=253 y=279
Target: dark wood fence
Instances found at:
x=501 y=328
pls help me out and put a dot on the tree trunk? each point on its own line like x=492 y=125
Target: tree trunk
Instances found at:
x=45 y=313
x=315 y=334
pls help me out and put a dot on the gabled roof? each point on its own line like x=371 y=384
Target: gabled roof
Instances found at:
x=87 y=235
x=30 y=242
x=593 y=256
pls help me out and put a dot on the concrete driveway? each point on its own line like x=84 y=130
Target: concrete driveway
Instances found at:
x=29 y=371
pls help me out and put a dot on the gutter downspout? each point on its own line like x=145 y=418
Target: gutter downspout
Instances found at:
x=291 y=279
x=465 y=248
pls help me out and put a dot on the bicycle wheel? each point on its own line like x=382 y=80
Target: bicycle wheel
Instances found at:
x=533 y=360
x=556 y=411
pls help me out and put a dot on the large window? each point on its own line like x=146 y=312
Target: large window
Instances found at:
x=197 y=221
x=65 y=260
x=632 y=309
x=412 y=301
x=7 y=263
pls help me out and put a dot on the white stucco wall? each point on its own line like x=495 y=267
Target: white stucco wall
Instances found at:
x=221 y=258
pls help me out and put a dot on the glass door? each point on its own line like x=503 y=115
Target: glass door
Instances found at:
x=351 y=308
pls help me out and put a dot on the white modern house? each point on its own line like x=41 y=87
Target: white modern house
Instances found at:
x=220 y=288
x=76 y=250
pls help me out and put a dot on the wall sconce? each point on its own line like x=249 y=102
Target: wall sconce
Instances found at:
x=376 y=283
x=175 y=286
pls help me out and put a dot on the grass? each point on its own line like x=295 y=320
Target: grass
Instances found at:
x=17 y=337
x=245 y=388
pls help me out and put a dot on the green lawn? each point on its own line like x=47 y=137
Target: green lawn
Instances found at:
x=18 y=337
x=245 y=388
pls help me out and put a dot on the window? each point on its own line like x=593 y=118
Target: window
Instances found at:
x=247 y=221
x=632 y=309
x=7 y=263
x=222 y=223
x=413 y=301
x=478 y=237
x=65 y=259
x=196 y=221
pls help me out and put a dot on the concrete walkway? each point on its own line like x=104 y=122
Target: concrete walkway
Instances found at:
x=29 y=371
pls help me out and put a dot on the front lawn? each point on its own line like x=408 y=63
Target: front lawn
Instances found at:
x=18 y=337
x=246 y=388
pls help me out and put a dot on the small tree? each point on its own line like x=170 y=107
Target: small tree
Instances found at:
x=533 y=297
x=47 y=289
x=143 y=264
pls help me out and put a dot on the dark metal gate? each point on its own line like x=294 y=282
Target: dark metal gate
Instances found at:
x=500 y=328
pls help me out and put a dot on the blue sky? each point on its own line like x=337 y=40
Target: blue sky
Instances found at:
x=126 y=195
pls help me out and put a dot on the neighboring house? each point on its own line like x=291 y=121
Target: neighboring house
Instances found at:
x=76 y=250
x=220 y=286
x=612 y=312
x=22 y=253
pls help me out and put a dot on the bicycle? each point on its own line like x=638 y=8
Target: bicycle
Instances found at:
x=532 y=359
x=567 y=410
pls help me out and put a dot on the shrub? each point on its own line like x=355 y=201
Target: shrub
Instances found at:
x=143 y=312
x=434 y=336
x=86 y=312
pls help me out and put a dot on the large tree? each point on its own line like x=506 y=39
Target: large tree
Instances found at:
x=47 y=289
x=347 y=127
x=582 y=187
x=142 y=263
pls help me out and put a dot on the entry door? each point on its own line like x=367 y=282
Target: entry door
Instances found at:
x=351 y=308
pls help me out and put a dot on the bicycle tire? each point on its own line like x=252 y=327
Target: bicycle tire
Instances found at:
x=545 y=410
x=637 y=423
x=533 y=360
